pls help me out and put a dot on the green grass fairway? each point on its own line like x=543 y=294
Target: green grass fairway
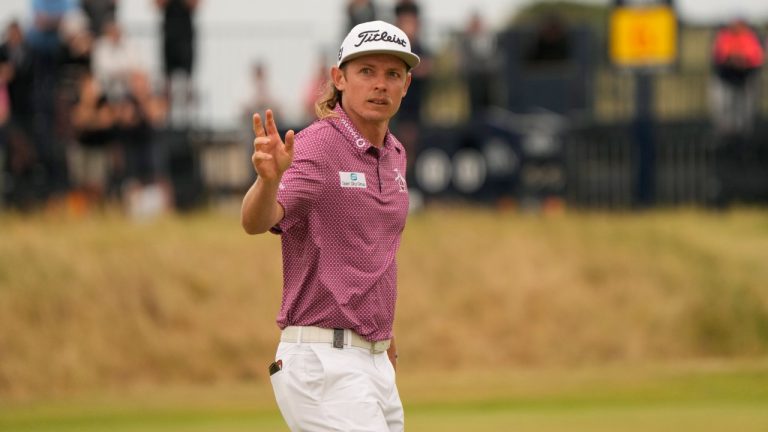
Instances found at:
x=695 y=397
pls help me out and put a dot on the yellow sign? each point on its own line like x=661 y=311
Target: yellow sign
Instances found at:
x=643 y=36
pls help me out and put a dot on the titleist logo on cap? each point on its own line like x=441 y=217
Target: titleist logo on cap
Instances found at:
x=378 y=35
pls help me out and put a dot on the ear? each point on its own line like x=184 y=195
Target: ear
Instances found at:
x=339 y=80
x=408 y=78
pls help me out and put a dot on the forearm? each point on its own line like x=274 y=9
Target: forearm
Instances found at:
x=260 y=210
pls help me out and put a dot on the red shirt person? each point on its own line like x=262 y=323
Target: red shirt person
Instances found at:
x=737 y=52
x=336 y=194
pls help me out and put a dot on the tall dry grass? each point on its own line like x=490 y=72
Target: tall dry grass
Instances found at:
x=498 y=288
x=105 y=303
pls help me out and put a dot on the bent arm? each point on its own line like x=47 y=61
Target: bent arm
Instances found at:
x=260 y=210
x=271 y=158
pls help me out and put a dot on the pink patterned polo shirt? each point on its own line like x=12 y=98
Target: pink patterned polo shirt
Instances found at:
x=345 y=204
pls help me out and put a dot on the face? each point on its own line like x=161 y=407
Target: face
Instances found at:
x=372 y=87
x=409 y=23
x=15 y=35
x=112 y=31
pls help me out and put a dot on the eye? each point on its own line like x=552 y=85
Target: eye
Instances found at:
x=366 y=71
x=394 y=74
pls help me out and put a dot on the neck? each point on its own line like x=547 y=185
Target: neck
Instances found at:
x=374 y=132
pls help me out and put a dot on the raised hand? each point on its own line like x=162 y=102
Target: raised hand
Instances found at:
x=271 y=156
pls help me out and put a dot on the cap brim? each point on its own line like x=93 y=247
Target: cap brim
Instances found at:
x=412 y=60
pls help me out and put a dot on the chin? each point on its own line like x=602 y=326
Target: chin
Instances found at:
x=373 y=115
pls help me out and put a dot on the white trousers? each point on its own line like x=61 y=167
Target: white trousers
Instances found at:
x=321 y=388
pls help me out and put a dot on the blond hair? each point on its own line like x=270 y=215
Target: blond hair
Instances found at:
x=329 y=98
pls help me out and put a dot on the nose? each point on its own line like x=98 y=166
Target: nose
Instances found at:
x=380 y=83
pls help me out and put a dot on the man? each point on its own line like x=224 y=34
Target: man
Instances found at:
x=179 y=33
x=737 y=57
x=98 y=13
x=339 y=200
x=409 y=118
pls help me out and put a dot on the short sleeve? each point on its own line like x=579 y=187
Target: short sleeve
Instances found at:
x=300 y=186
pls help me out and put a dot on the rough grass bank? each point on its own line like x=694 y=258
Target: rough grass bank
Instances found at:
x=106 y=303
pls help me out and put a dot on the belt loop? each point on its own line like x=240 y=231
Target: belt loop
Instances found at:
x=298 y=339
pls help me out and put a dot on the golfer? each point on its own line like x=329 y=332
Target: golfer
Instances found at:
x=337 y=196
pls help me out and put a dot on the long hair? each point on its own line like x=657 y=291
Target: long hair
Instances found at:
x=329 y=98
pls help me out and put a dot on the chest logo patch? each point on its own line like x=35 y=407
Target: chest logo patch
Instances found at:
x=352 y=180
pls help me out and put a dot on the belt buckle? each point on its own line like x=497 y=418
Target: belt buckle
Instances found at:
x=338 y=338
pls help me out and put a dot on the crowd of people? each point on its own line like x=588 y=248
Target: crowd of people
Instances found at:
x=79 y=110
x=80 y=113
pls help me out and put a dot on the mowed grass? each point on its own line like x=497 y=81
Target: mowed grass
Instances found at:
x=701 y=396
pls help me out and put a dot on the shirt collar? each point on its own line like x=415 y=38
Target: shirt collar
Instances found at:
x=344 y=124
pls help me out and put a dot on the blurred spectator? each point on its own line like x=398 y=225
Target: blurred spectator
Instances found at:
x=409 y=118
x=359 y=11
x=178 y=35
x=76 y=53
x=5 y=115
x=478 y=63
x=47 y=16
x=551 y=44
x=99 y=12
x=315 y=87
x=145 y=191
x=46 y=43
x=116 y=153
x=74 y=62
x=409 y=7
x=93 y=121
x=137 y=118
x=17 y=59
x=259 y=97
x=407 y=18
x=114 y=59
x=178 y=30
x=5 y=102
x=16 y=75
x=737 y=57
x=16 y=55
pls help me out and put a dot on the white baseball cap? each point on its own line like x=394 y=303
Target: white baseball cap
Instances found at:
x=377 y=37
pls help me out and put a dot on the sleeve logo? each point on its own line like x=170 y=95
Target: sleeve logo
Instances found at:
x=400 y=179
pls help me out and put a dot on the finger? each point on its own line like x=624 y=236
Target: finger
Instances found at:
x=271 y=126
x=261 y=156
x=260 y=142
x=289 y=141
x=258 y=128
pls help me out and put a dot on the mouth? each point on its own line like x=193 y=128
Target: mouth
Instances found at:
x=379 y=101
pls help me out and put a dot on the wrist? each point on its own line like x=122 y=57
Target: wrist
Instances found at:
x=269 y=183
